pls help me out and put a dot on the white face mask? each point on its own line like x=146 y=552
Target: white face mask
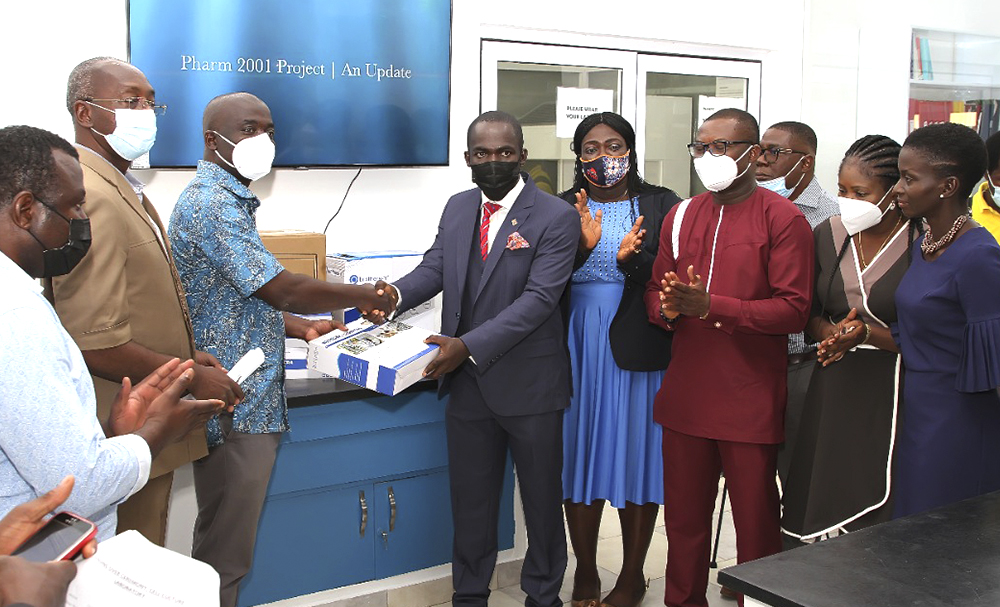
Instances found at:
x=859 y=215
x=134 y=134
x=719 y=172
x=993 y=187
x=252 y=157
x=777 y=185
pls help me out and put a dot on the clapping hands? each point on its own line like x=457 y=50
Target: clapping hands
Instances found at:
x=678 y=297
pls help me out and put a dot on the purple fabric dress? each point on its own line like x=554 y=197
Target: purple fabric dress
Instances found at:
x=949 y=334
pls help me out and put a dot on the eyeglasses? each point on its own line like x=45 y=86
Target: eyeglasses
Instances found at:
x=772 y=153
x=134 y=103
x=715 y=148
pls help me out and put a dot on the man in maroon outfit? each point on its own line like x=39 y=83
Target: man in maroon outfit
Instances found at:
x=736 y=283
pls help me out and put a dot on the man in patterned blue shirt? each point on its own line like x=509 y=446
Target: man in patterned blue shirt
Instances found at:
x=236 y=291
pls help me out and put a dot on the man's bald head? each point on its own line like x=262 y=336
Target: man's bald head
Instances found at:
x=225 y=108
x=91 y=76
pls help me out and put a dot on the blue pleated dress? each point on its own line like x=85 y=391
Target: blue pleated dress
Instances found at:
x=611 y=446
x=949 y=334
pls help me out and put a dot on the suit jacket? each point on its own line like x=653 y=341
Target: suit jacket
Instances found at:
x=126 y=288
x=636 y=344
x=517 y=339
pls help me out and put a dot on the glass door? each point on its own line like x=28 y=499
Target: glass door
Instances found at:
x=665 y=97
x=676 y=94
x=524 y=80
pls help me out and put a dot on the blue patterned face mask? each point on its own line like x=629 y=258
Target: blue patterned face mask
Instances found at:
x=605 y=171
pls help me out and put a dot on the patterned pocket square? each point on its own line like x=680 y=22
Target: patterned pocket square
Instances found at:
x=516 y=241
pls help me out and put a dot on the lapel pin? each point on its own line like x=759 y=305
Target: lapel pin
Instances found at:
x=513 y=222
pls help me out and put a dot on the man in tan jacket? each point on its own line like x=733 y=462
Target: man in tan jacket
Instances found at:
x=123 y=303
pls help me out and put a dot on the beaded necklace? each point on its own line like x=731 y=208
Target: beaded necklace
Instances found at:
x=929 y=245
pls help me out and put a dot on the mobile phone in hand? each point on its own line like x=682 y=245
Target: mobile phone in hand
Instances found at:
x=61 y=539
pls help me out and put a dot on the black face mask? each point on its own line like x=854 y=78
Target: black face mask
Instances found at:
x=62 y=260
x=496 y=178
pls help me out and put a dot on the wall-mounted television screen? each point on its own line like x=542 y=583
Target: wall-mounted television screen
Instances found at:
x=364 y=82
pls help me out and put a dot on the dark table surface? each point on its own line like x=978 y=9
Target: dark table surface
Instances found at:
x=947 y=556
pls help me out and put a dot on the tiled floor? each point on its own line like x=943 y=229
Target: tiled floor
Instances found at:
x=609 y=559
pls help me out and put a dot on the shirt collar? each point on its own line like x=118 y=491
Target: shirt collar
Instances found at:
x=137 y=186
x=810 y=197
x=508 y=200
x=213 y=173
x=10 y=271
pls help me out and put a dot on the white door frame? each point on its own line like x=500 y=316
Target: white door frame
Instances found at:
x=693 y=66
x=633 y=65
x=494 y=51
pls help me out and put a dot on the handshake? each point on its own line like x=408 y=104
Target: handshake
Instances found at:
x=377 y=302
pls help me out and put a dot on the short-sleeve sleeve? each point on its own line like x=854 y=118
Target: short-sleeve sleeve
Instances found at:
x=233 y=246
x=977 y=280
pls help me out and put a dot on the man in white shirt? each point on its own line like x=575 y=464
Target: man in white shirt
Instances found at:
x=48 y=427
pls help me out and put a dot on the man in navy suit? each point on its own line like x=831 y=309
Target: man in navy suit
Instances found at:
x=502 y=258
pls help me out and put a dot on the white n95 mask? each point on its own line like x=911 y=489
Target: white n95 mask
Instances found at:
x=252 y=157
x=719 y=172
x=134 y=134
x=859 y=215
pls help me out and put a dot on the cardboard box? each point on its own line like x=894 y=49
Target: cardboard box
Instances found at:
x=386 y=358
x=298 y=251
x=370 y=267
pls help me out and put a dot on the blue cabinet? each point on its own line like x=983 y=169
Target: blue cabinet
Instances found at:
x=359 y=492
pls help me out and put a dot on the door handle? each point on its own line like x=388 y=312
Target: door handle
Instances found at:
x=364 y=512
x=392 y=509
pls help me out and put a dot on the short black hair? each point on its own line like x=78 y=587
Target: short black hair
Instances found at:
x=953 y=150
x=81 y=80
x=744 y=121
x=26 y=162
x=617 y=123
x=877 y=156
x=993 y=152
x=799 y=130
x=497 y=116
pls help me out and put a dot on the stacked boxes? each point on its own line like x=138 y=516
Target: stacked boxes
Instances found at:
x=362 y=268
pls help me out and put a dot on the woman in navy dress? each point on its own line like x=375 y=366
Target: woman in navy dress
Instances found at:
x=948 y=306
x=611 y=446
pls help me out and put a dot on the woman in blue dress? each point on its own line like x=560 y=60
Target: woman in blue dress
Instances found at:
x=948 y=307
x=612 y=447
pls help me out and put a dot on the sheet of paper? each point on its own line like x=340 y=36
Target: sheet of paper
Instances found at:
x=245 y=366
x=130 y=571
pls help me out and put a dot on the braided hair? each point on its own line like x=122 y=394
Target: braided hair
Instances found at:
x=875 y=156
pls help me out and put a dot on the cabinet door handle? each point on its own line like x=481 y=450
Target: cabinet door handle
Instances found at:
x=392 y=510
x=364 y=512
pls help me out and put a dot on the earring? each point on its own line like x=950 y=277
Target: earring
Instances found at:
x=941 y=196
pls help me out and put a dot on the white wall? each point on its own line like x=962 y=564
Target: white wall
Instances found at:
x=856 y=65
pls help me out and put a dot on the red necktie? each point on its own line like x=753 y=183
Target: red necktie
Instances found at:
x=484 y=228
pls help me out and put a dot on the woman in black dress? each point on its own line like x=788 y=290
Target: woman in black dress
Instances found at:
x=840 y=469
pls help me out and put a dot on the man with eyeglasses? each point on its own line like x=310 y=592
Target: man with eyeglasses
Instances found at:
x=732 y=277
x=123 y=304
x=787 y=166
